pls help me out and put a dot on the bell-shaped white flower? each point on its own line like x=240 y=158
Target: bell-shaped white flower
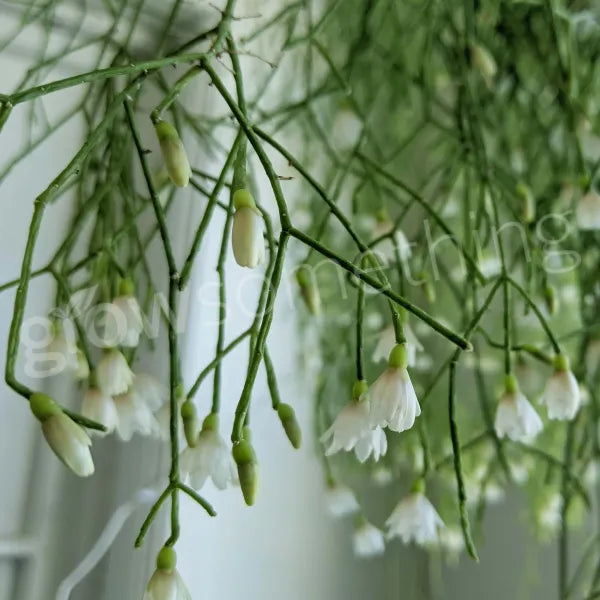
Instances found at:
x=99 y=407
x=393 y=400
x=561 y=395
x=373 y=443
x=367 y=540
x=415 y=519
x=61 y=349
x=113 y=374
x=174 y=154
x=166 y=583
x=134 y=416
x=588 y=211
x=387 y=341
x=210 y=457
x=515 y=417
x=150 y=391
x=352 y=423
x=340 y=500
x=68 y=440
x=247 y=232
x=128 y=317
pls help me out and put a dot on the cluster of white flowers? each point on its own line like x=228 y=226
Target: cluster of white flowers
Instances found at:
x=391 y=403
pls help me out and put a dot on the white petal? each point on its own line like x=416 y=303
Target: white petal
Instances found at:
x=516 y=418
x=340 y=500
x=415 y=519
x=70 y=443
x=247 y=237
x=562 y=396
x=351 y=424
x=113 y=373
x=100 y=408
x=368 y=541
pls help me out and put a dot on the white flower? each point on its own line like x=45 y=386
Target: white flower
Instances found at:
x=62 y=348
x=588 y=211
x=68 y=440
x=374 y=442
x=211 y=457
x=415 y=518
x=129 y=309
x=561 y=395
x=82 y=371
x=247 y=232
x=113 y=373
x=340 y=500
x=150 y=391
x=174 y=154
x=100 y=408
x=549 y=513
x=349 y=427
x=393 y=400
x=515 y=417
x=368 y=540
x=385 y=344
x=134 y=416
x=166 y=583
x=163 y=419
x=382 y=476
x=451 y=539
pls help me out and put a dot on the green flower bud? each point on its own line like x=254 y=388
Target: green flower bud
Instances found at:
x=43 y=407
x=166 y=559
x=483 y=61
x=126 y=287
x=245 y=459
x=312 y=298
x=561 y=362
x=243 y=198
x=551 y=299
x=510 y=384
x=287 y=416
x=359 y=389
x=528 y=206
x=174 y=153
x=211 y=422
x=382 y=215
x=190 y=423
x=398 y=357
x=418 y=486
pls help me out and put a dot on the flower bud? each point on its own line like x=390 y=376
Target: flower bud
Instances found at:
x=190 y=423
x=551 y=299
x=287 y=416
x=247 y=233
x=174 y=154
x=528 y=203
x=245 y=459
x=398 y=357
x=483 y=61
x=68 y=440
x=309 y=290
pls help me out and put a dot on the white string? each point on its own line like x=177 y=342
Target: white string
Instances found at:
x=104 y=542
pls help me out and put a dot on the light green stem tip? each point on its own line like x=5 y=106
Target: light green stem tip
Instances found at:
x=43 y=407
x=211 y=422
x=165 y=130
x=243 y=198
x=561 y=362
x=188 y=410
x=510 y=383
x=398 y=357
x=359 y=389
x=127 y=287
x=166 y=559
x=418 y=486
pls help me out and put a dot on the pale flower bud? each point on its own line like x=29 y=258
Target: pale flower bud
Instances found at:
x=166 y=583
x=68 y=440
x=247 y=234
x=483 y=61
x=245 y=458
x=174 y=153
